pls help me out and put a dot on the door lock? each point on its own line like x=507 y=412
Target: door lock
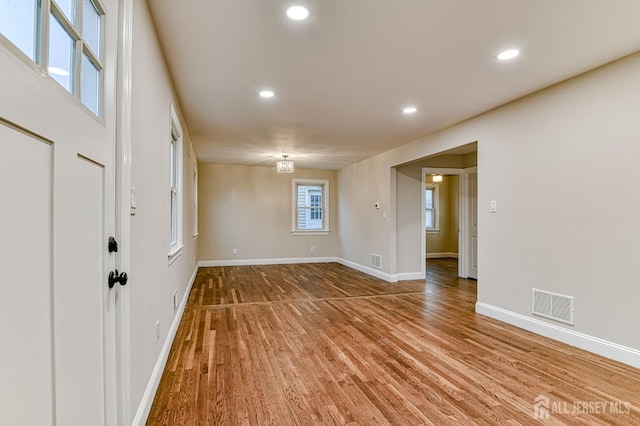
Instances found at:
x=113 y=245
x=115 y=277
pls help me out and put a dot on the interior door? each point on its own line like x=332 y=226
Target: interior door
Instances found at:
x=473 y=226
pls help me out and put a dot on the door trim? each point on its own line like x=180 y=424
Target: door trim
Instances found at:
x=467 y=222
x=123 y=205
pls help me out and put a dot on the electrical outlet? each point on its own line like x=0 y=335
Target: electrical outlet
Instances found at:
x=175 y=301
x=312 y=249
x=234 y=251
x=157 y=331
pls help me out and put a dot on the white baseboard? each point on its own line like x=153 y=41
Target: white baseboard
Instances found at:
x=392 y=278
x=254 y=262
x=442 y=255
x=152 y=386
x=596 y=345
x=409 y=276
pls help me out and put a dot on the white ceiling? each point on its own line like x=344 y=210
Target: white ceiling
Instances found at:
x=342 y=77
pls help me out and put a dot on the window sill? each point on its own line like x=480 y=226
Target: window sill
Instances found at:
x=175 y=253
x=432 y=231
x=319 y=232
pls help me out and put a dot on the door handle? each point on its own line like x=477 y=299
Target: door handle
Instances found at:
x=115 y=277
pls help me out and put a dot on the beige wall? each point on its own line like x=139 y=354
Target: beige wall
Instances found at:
x=446 y=240
x=249 y=209
x=542 y=235
x=408 y=215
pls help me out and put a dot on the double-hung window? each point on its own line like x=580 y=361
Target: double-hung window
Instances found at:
x=175 y=187
x=310 y=214
x=65 y=37
x=431 y=204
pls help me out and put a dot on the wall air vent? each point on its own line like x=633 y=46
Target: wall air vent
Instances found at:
x=376 y=261
x=552 y=305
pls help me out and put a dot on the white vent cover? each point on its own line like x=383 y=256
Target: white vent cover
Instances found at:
x=376 y=261
x=552 y=305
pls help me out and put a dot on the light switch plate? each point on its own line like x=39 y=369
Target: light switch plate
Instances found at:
x=493 y=206
x=133 y=202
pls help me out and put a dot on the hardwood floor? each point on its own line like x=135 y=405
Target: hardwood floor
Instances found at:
x=324 y=344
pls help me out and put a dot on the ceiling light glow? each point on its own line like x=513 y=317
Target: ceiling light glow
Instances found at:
x=298 y=13
x=508 y=54
x=409 y=110
x=267 y=94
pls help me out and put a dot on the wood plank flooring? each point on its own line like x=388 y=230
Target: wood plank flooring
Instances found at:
x=323 y=344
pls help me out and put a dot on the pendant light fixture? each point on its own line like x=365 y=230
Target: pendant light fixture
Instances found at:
x=284 y=165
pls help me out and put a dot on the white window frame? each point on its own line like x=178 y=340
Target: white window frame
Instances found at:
x=324 y=184
x=45 y=10
x=195 y=200
x=436 y=208
x=175 y=188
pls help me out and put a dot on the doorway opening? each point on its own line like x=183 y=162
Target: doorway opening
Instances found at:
x=442 y=218
x=416 y=221
x=450 y=219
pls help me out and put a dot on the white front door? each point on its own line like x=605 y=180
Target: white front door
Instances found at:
x=58 y=325
x=57 y=210
x=473 y=225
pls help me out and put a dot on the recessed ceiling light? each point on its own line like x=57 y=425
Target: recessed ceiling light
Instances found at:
x=409 y=110
x=58 y=71
x=508 y=54
x=267 y=94
x=298 y=13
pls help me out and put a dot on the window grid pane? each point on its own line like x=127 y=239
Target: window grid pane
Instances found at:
x=91 y=27
x=90 y=89
x=429 y=219
x=173 y=163
x=429 y=198
x=18 y=23
x=68 y=7
x=61 y=54
x=174 y=218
